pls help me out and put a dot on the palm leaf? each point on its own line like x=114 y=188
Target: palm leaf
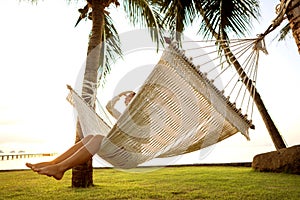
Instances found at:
x=284 y=32
x=228 y=16
x=143 y=12
x=110 y=49
x=177 y=15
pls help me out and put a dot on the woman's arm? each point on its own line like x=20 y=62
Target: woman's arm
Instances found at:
x=110 y=106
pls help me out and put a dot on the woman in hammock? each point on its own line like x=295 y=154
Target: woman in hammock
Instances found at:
x=81 y=151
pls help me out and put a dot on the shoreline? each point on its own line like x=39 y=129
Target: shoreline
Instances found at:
x=235 y=164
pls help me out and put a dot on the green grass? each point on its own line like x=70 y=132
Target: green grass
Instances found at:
x=164 y=183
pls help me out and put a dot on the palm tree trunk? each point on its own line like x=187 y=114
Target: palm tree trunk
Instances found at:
x=272 y=129
x=293 y=15
x=82 y=175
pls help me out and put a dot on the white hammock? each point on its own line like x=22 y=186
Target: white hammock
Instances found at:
x=176 y=111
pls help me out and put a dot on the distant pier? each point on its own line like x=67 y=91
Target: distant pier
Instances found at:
x=23 y=155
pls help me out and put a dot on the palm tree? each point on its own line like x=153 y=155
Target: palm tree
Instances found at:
x=231 y=21
x=82 y=174
x=140 y=11
x=219 y=18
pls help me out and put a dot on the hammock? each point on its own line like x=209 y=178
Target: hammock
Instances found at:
x=176 y=111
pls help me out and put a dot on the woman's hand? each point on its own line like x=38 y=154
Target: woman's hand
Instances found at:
x=125 y=93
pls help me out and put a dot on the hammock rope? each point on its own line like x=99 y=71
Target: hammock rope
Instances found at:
x=176 y=111
x=246 y=52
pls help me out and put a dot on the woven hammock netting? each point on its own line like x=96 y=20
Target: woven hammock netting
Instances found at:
x=177 y=110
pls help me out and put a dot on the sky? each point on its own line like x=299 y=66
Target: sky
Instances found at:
x=41 y=52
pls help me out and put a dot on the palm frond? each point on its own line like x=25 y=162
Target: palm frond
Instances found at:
x=147 y=15
x=177 y=15
x=284 y=32
x=110 y=49
x=228 y=16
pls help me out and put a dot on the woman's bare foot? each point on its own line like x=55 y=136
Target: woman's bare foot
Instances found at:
x=51 y=171
x=33 y=167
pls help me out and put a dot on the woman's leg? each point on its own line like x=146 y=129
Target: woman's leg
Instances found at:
x=63 y=156
x=80 y=156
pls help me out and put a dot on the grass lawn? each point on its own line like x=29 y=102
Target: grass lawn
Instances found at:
x=194 y=182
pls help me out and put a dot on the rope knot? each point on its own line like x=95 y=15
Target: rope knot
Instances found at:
x=260 y=45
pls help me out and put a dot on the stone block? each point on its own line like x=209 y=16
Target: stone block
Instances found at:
x=284 y=160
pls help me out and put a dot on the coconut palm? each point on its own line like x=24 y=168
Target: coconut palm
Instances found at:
x=238 y=20
x=139 y=12
x=219 y=19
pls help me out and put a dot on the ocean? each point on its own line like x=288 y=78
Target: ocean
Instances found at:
x=19 y=164
x=213 y=155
